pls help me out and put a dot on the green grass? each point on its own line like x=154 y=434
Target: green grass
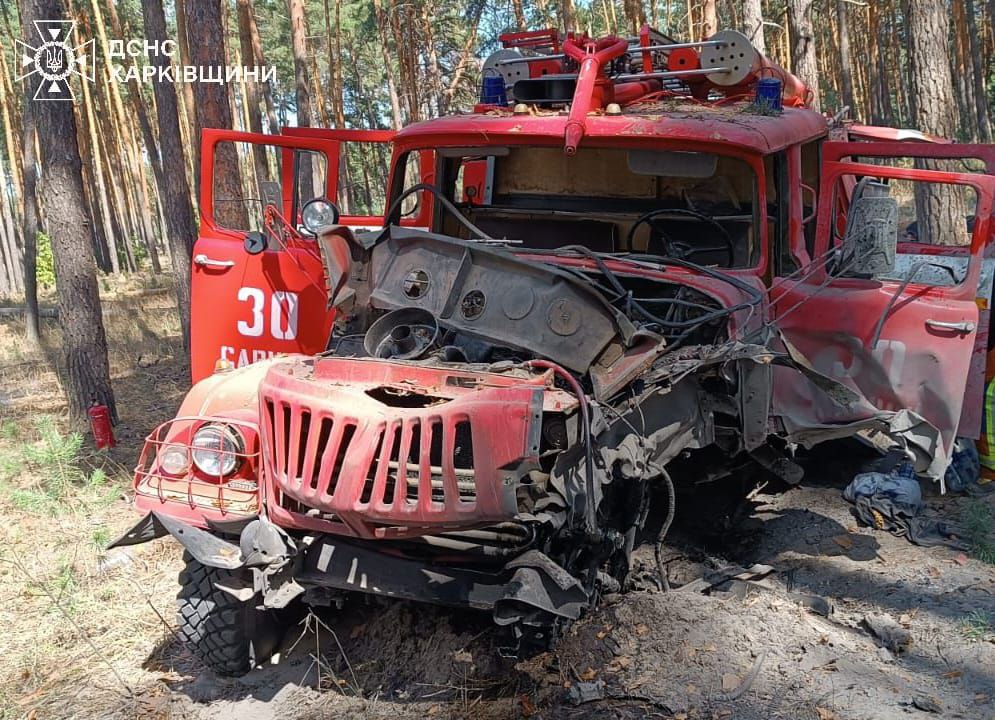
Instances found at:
x=976 y=625
x=10 y=430
x=978 y=525
x=101 y=537
x=51 y=473
x=55 y=454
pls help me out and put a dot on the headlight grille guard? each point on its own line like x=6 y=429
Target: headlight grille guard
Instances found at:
x=214 y=497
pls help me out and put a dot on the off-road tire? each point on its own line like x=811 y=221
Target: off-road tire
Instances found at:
x=226 y=634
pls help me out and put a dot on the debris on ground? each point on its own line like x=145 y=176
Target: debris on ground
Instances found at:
x=888 y=633
x=893 y=501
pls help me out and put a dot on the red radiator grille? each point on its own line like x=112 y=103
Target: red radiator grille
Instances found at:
x=346 y=461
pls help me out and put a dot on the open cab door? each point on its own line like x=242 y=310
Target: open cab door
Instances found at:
x=258 y=285
x=895 y=302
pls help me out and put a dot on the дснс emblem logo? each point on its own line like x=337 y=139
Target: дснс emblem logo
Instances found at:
x=55 y=59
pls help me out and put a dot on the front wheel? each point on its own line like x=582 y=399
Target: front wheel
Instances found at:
x=228 y=635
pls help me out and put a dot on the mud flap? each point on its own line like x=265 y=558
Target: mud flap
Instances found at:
x=206 y=548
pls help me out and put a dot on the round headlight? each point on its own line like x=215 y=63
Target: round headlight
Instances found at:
x=216 y=449
x=174 y=459
x=318 y=214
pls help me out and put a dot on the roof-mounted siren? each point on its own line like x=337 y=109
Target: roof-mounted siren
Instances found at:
x=739 y=66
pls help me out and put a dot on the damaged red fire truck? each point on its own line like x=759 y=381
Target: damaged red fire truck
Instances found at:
x=639 y=271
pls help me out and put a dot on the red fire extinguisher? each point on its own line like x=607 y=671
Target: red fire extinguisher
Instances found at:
x=100 y=425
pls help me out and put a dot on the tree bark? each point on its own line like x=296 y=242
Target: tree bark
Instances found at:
x=9 y=237
x=211 y=108
x=32 y=330
x=137 y=188
x=980 y=97
x=803 y=53
x=298 y=43
x=753 y=24
x=333 y=48
x=940 y=209
x=10 y=133
x=186 y=91
x=709 y=19
x=519 y=9
x=335 y=69
x=252 y=94
x=568 y=16
x=84 y=345
x=175 y=194
x=102 y=196
x=962 y=71
x=434 y=75
x=383 y=24
x=844 y=60
x=260 y=60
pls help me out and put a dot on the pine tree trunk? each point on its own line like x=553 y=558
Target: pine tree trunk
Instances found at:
x=434 y=75
x=213 y=110
x=844 y=59
x=940 y=210
x=252 y=95
x=335 y=69
x=962 y=70
x=709 y=19
x=186 y=92
x=333 y=49
x=32 y=331
x=980 y=97
x=568 y=16
x=803 y=53
x=84 y=345
x=135 y=180
x=383 y=24
x=7 y=236
x=175 y=194
x=11 y=230
x=101 y=198
x=519 y=10
x=260 y=61
x=298 y=42
x=10 y=133
x=8 y=271
x=753 y=24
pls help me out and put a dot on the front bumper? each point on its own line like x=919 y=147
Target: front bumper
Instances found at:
x=530 y=591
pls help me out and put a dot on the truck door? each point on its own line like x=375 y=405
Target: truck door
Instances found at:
x=907 y=338
x=248 y=307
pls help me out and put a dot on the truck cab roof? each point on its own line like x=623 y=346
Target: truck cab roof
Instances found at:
x=697 y=125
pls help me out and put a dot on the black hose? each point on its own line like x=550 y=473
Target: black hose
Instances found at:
x=689 y=324
x=664 y=529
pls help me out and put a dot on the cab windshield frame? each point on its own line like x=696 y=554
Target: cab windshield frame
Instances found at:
x=445 y=153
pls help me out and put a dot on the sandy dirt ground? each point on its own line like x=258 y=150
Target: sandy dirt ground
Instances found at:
x=88 y=633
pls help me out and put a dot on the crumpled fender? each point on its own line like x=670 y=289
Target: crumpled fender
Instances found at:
x=228 y=393
x=206 y=548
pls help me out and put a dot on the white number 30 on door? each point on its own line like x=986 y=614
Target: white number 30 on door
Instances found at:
x=282 y=316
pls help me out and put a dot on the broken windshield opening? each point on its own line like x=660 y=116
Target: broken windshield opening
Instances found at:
x=699 y=207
